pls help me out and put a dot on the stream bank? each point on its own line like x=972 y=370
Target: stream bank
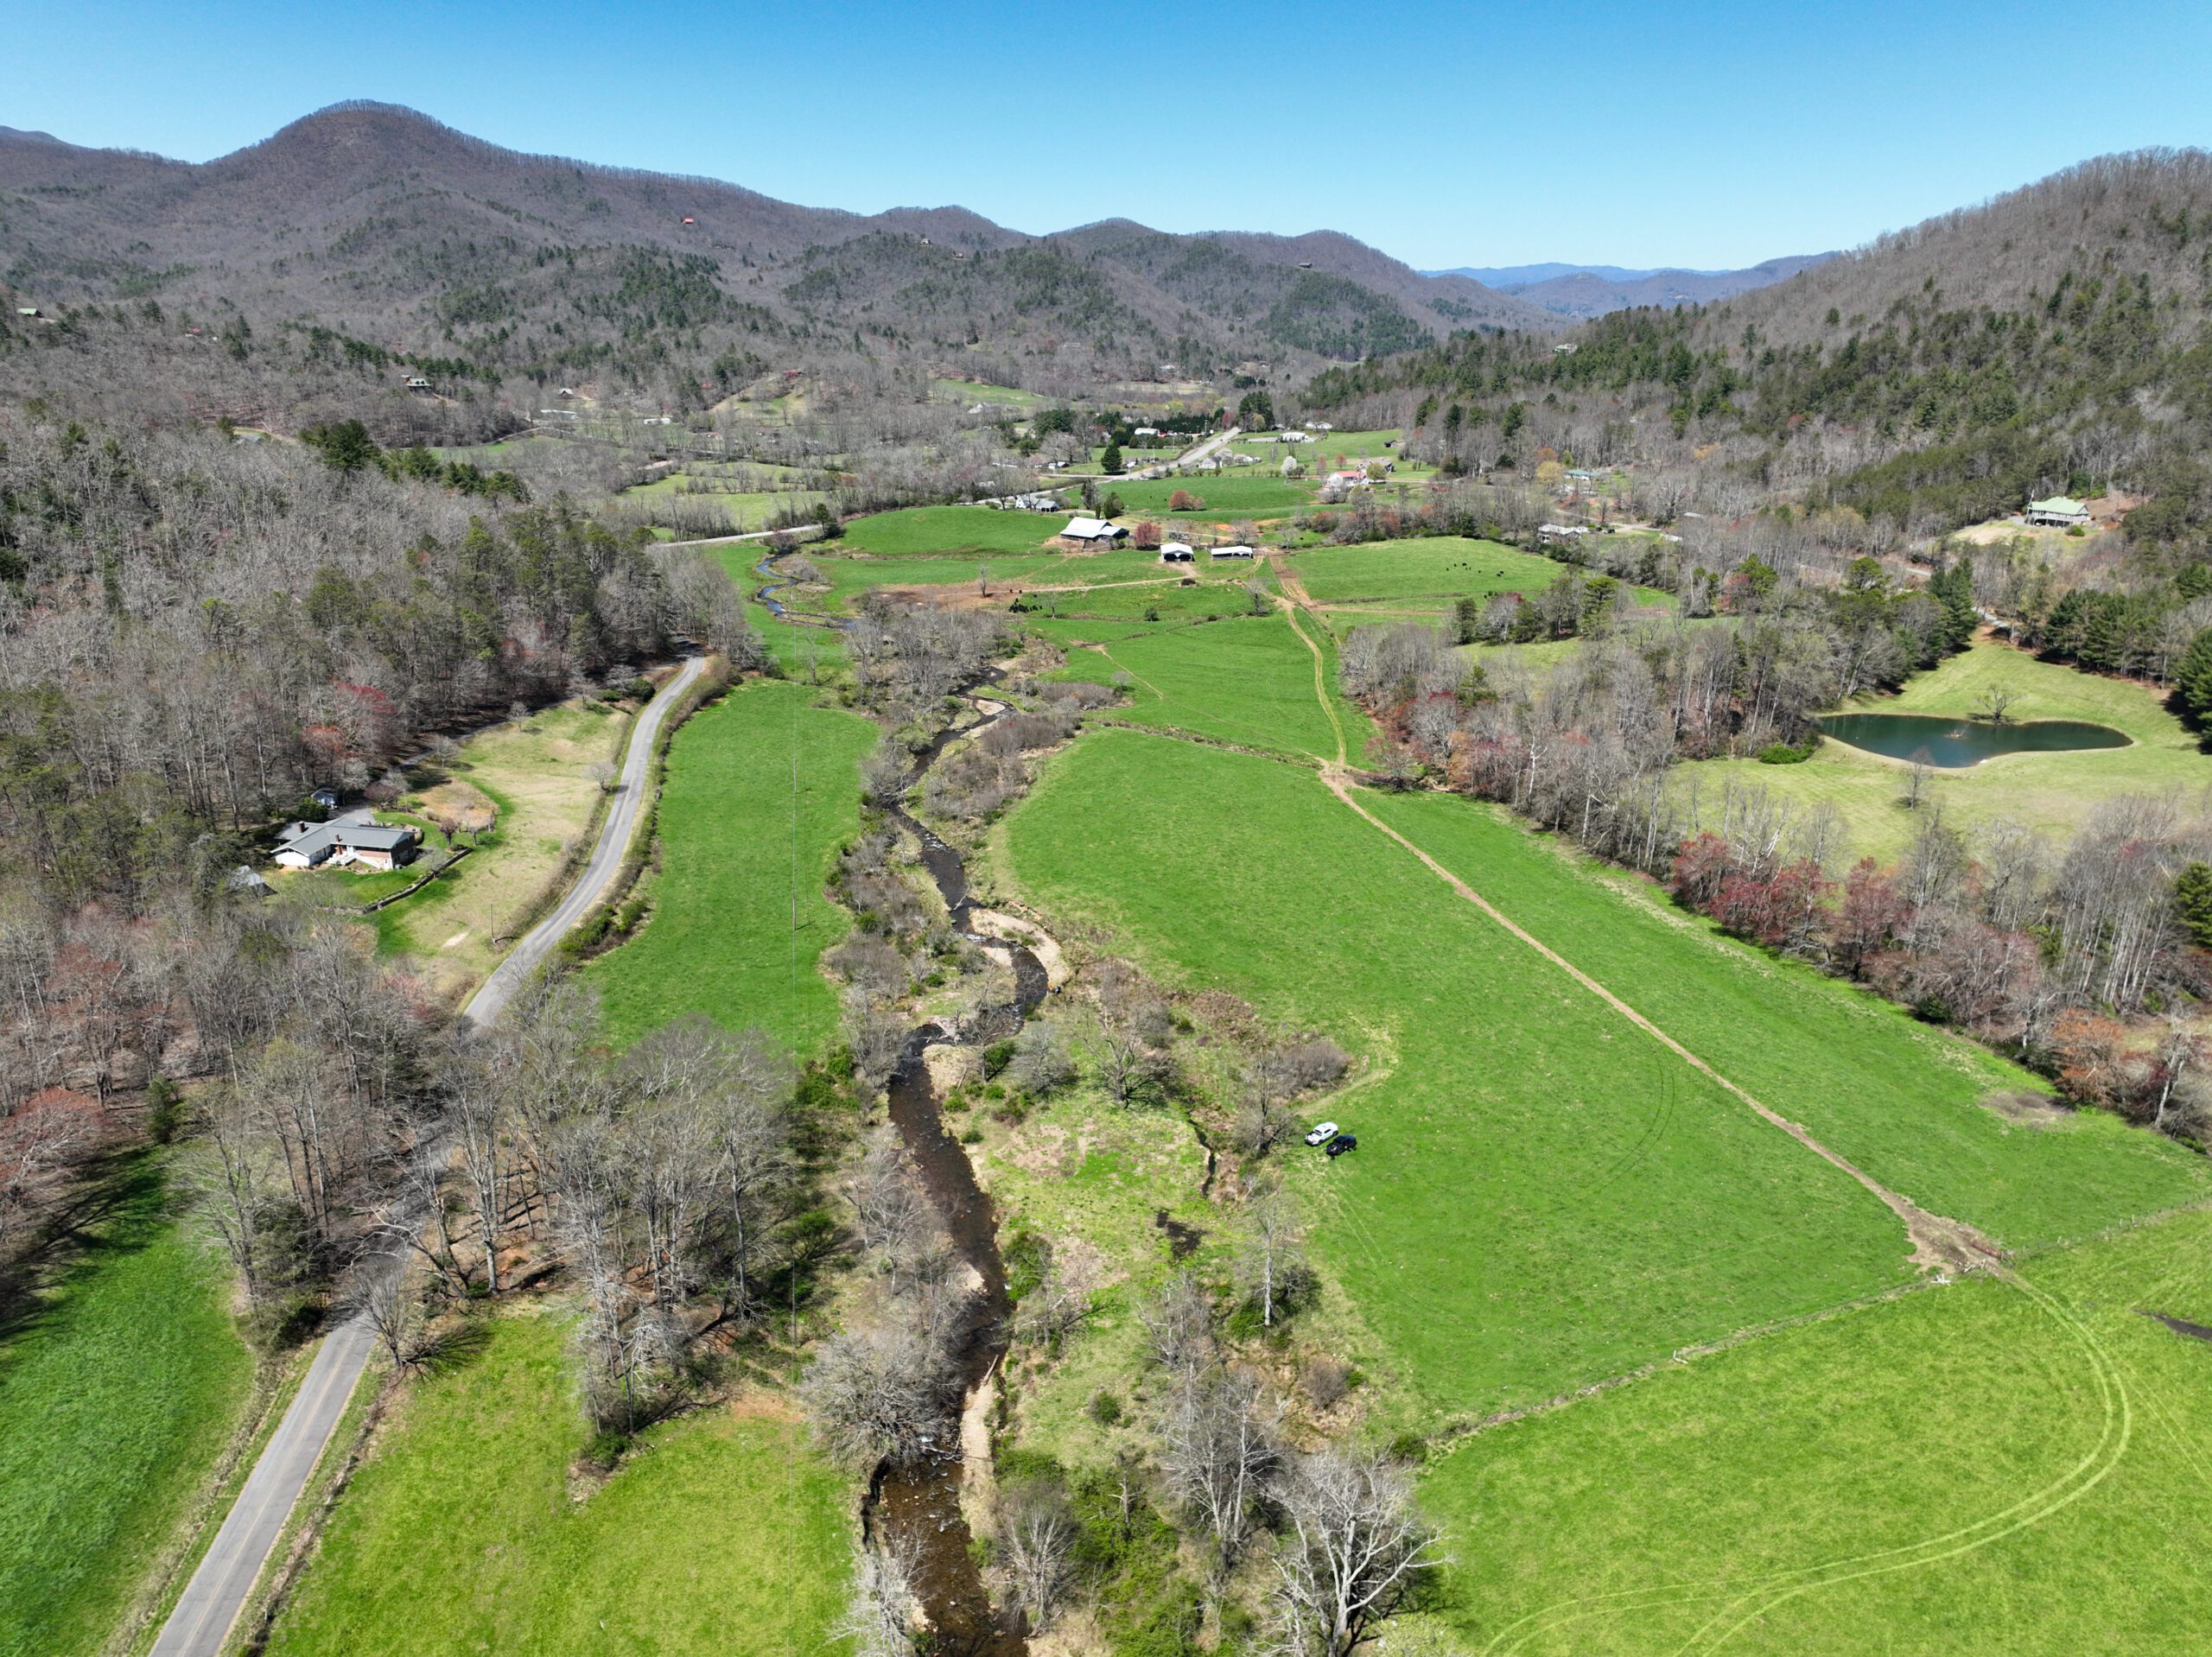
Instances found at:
x=918 y=1503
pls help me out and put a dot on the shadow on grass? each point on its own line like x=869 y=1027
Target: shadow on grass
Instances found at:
x=116 y=1209
x=449 y=1351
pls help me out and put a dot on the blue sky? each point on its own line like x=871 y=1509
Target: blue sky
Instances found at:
x=1706 y=135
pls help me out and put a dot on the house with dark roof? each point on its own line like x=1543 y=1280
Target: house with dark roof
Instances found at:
x=345 y=844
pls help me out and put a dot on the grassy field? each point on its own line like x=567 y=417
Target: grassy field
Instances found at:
x=966 y=392
x=118 y=1391
x=1898 y=1098
x=761 y=790
x=1248 y=681
x=722 y=1533
x=925 y=532
x=534 y=772
x=1427 y=573
x=1542 y=1196
x=2049 y=792
x=1979 y=1469
x=1226 y=494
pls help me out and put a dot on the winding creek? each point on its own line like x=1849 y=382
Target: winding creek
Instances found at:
x=917 y=1504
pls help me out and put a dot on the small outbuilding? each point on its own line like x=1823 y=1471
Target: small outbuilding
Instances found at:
x=1174 y=552
x=1231 y=552
x=247 y=882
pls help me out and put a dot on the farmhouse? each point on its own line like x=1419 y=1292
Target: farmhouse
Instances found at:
x=2058 y=512
x=1174 y=552
x=1093 y=532
x=340 y=845
x=1562 y=532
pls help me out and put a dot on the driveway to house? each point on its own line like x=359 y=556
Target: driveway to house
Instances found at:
x=211 y=1600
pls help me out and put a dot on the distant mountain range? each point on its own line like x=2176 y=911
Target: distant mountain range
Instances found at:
x=1579 y=291
x=400 y=232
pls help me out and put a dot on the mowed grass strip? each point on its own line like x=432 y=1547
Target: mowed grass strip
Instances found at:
x=2052 y=793
x=761 y=790
x=536 y=771
x=1899 y=1098
x=118 y=1390
x=722 y=1532
x=1438 y=568
x=1248 y=680
x=1978 y=1469
x=1543 y=1196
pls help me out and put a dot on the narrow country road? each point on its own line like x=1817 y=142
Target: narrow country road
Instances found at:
x=211 y=1600
x=524 y=959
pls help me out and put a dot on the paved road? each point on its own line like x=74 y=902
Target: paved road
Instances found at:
x=213 y=1599
x=524 y=959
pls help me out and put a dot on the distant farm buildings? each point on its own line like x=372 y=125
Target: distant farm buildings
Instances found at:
x=2058 y=512
x=1082 y=531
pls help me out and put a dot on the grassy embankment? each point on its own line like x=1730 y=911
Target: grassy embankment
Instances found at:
x=1250 y=681
x=2052 y=793
x=535 y=774
x=761 y=790
x=721 y=1533
x=120 y=1386
x=1984 y=1469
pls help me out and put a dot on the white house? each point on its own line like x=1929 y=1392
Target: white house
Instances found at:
x=1093 y=531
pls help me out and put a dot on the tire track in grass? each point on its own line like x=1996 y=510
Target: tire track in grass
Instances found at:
x=1938 y=1243
x=1741 y=1608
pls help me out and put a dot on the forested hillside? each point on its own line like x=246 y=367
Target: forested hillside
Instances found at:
x=400 y=245
x=2053 y=339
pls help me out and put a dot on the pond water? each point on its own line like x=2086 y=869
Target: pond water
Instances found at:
x=1952 y=744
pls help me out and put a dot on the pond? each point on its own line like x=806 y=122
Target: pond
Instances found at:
x=1952 y=744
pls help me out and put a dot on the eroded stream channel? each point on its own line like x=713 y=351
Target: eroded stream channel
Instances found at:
x=916 y=1505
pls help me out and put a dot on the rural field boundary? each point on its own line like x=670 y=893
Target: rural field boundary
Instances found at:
x=1938 y=1243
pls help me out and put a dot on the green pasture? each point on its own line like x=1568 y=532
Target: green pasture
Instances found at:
x=1247 y=681
x=722 y=1532
x=1542 y=1196
x=1123 y=602
x=761 y=790
x=1983 y=1470
x=1432 y=570
x=120 y=1386
x=2052 y=793
x=928 y=531
x=1226 y=494
x=1898 y=1098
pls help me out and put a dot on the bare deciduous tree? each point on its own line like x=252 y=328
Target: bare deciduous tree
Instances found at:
x=1355 y=1547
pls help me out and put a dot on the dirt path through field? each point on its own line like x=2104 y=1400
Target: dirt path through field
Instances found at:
x=1938 y=1243
x=1293 y=599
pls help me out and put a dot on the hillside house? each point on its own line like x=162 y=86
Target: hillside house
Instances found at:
x=1561 y=534
x=417 y=383
x=2058 y=512
x=345 y=844
x=1087 y=532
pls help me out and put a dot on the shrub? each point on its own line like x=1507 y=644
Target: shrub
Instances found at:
x=1780 y=754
